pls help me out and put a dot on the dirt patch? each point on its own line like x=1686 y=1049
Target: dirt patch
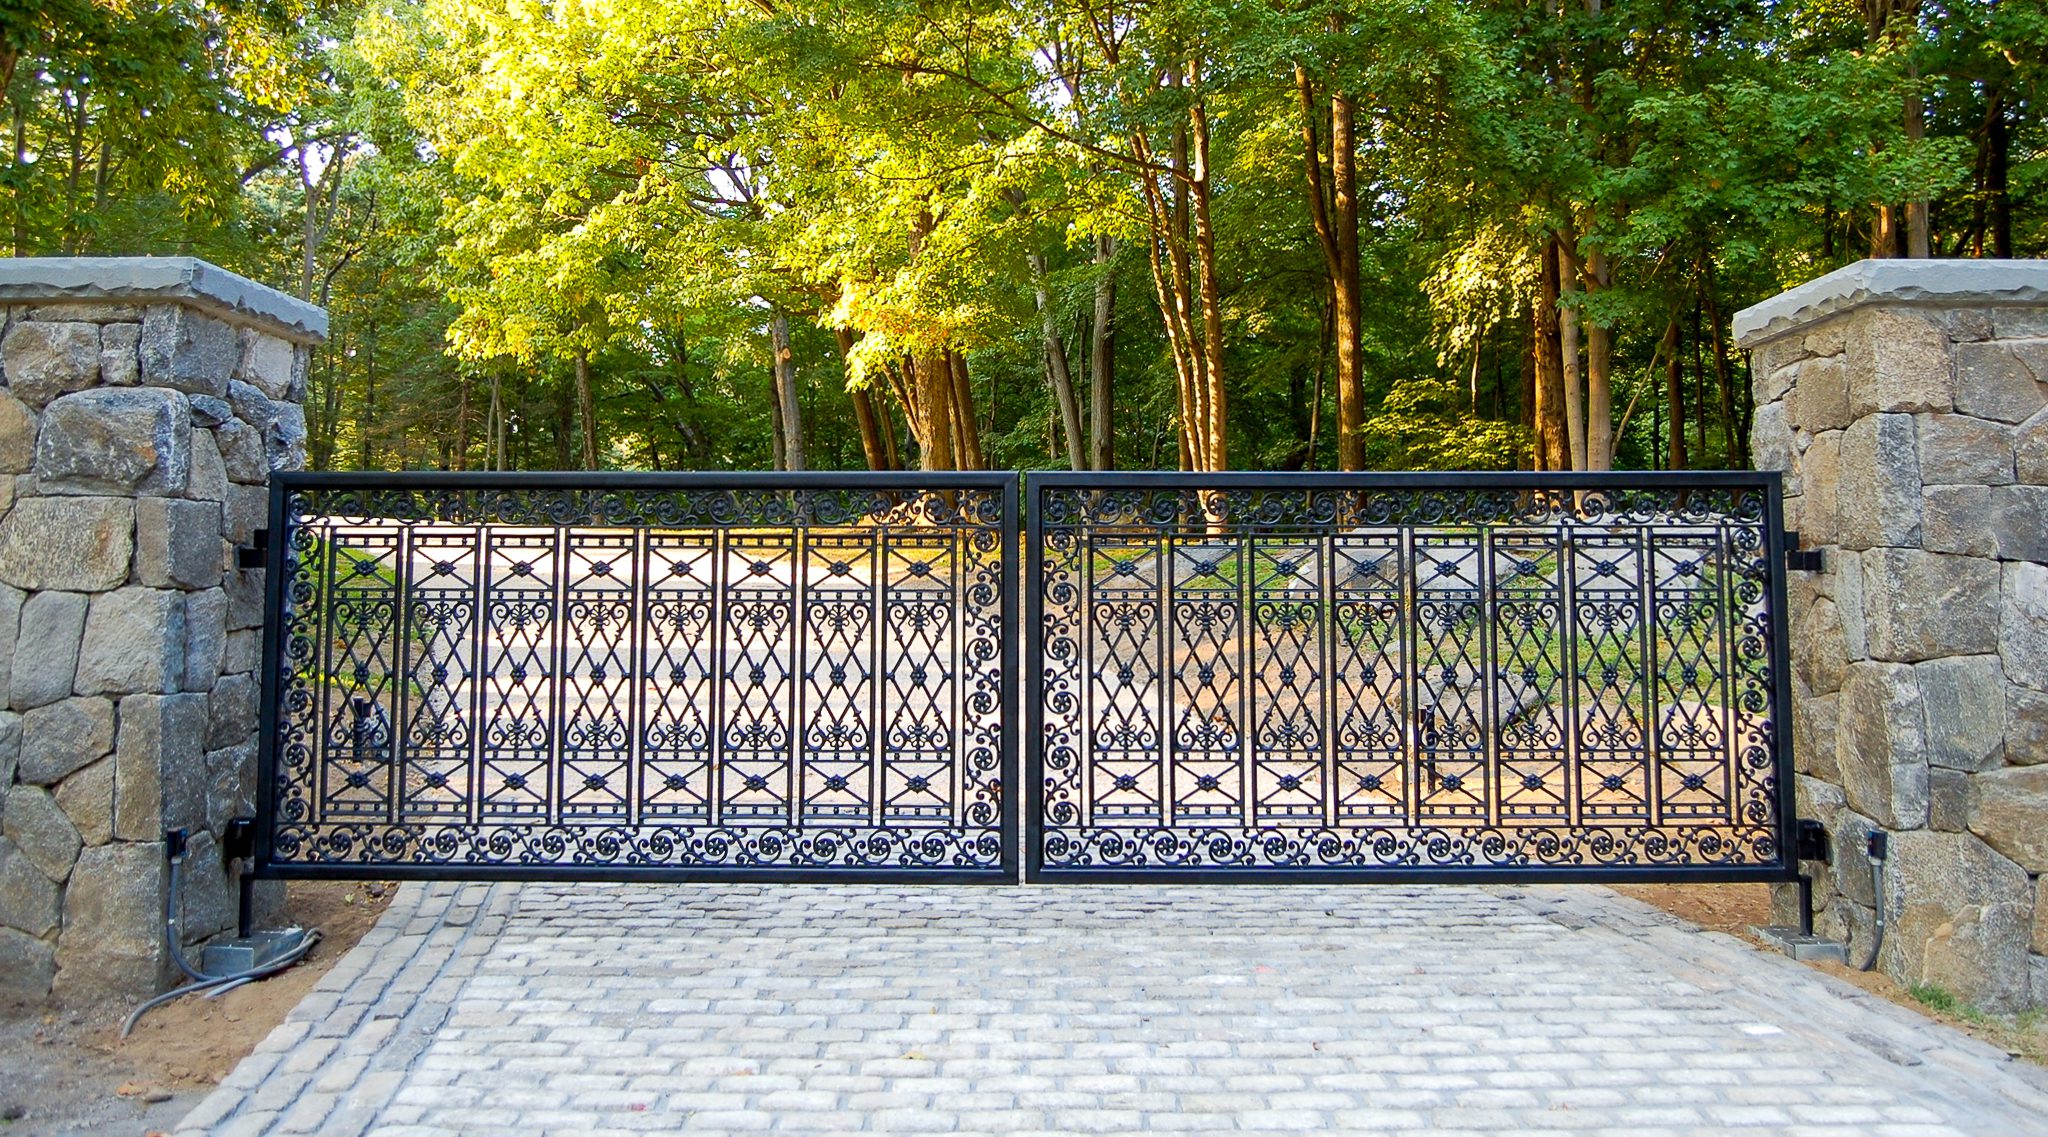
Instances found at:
x=69 y=1073
x=1730 y=908
x=1735 y=908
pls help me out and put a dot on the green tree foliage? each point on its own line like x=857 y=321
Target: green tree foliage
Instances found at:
x=676 y=234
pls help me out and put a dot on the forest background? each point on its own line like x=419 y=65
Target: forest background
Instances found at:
x=1207 y=234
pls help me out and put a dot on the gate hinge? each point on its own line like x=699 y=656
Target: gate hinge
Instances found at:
x=1813 y=842
x=256 y=553
x=1798 y=559
x=238 y=842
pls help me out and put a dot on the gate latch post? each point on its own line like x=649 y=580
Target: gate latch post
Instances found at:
x=1801 y=560
x=256 y=553
x=1813 y=842
x=238 y=842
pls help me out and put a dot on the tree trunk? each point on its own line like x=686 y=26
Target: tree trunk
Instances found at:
x=1315 y=406
x=565 y=425
x=1346 y=287
x=369 y=423
x=1197 y=357
x=1215 y=417
x=696 y=444
x=1568 y=355
x=1996 y=168
x=1057 y=370
x=934 y=384
x=1699 y=385
x=967 y=433
x=309 y=235
x=1599 y=373
x=1472 y=380
x=461 y=457
x=1918 y=242
x=1532 y=366
x=20 y=156
x=73 y=216
x=778 y=431
x=586 y=409
x=873 y=450
x=892 y=455
x=1552 y=447
x=497 y=427
x=330 y=401
x=1594 y=277
x=871 y=422
x=1336 y=226
x=1674 y=397
x=1890 y=228
x=904 y=385
x=786 y=404
x=1736 y=453
x=1102 y=360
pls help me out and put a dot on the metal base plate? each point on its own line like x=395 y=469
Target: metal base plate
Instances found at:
x=246 y=953
x=1802 y=947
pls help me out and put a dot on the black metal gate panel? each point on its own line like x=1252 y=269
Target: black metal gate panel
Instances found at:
x=1406 y=676
x=678 y=676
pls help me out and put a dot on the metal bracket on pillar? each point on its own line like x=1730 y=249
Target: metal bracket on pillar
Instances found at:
x=238 y=841
x=256 y=553
x=1798 y=559
x=1813 y=842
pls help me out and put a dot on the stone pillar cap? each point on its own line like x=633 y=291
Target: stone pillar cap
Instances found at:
x=183 y=280
x=1950 y=282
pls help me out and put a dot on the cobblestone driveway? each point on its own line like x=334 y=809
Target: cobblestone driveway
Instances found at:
x=600 y=1009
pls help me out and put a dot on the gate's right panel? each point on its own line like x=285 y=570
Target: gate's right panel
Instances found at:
x=1394 y=676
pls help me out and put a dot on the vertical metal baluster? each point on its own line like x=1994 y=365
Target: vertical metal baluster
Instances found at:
x=1086 y=655
x=952 y=673
x=715 y=601
x=1167 y=674
x=1572 y=752
x=1725 y=630
x=878 y=651
x=323 y=678
x=1408 y=559
x=401 y=656
x=560 y=648
x=1244 y=543
x=638 y=562
x=1326 y=632
x=799 y=653
x=1653 y=795
x=479 y=641
x=1489 y=671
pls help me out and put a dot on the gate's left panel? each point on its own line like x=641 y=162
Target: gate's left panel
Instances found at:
x=673 y=676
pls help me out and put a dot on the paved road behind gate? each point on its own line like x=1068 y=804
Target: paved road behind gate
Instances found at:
x=616 y=1009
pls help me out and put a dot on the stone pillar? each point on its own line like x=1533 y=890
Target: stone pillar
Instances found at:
x=143 y=404
x=1904 y=400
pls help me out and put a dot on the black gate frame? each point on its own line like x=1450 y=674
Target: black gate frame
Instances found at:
x=1021 y=824
x=1784 y=869
x=275 y=542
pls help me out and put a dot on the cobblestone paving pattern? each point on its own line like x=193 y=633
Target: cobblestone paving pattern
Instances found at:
x=591 y=1010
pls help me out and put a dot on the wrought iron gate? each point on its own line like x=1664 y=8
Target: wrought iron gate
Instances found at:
x=1223 y=677
x=1429 y=677
x=687 y=676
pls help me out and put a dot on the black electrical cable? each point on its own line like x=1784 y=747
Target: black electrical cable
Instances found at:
x=1878 y=848
x=200 y=980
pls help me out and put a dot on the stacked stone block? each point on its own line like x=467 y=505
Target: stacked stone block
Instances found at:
x=1907 y=404
x=144 y=403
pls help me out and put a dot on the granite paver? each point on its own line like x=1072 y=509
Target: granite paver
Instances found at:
x=613 y=1009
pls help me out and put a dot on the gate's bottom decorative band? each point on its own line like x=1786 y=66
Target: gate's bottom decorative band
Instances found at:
x=639 y=847
x=1391 y=848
